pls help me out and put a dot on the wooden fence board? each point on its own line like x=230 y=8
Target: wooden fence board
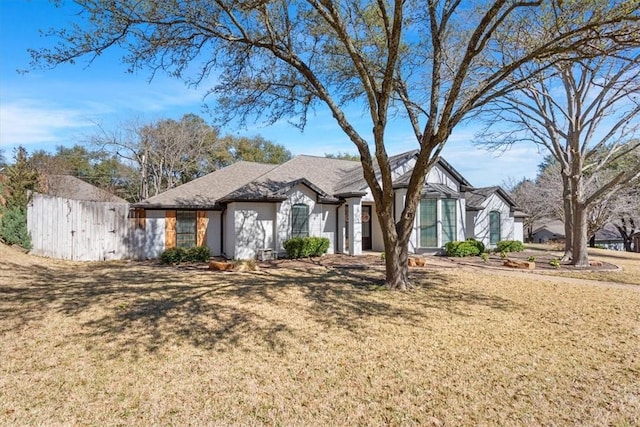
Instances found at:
x=81 y=230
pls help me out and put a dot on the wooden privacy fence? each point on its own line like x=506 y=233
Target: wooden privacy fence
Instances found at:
x=81 y=230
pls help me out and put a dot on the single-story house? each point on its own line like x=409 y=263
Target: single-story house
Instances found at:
x=552 y=230
x=248 y=209
x=70 y=187
x=548 y=230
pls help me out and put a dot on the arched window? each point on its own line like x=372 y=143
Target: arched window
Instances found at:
x=494 y=227
x=300 y=220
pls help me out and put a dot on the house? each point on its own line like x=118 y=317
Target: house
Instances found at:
x=70 y=187
x=548 y=230
x=247 y=209
x=552 y=230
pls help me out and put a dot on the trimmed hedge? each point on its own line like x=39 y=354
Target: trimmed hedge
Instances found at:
x=509 y=246
x=469 y=247
x=178 y=255
x=303 y=247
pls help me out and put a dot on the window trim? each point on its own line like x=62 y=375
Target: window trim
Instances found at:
x=492 y=219
x=435 y=225
x=453 y=224
x=304 y=229
x=190 y=233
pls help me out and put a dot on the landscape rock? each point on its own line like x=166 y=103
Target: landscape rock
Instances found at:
x=416 y=262
x=221 y=266
x=524 y=265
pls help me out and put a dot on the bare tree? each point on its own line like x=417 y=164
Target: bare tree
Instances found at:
x=527 y=195
x=584 y=112
x=166 y=152
x=430 y=63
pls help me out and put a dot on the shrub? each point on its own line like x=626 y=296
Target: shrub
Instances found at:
x=484 y=256
x=531 y=259
x=554 y=263
x=509 y=246
x=173 y=256
x=478 y=244
x=302 y=247
x=198 y=254
x=178 y=255
x=462 y=249
x=13 y=228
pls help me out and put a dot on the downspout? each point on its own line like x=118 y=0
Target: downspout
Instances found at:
x=337 y=233
x=222 y=218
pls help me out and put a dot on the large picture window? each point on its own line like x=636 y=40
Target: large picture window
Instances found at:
x=448 y=220
x=494 y=227
x=428 y=223
x=186 y=229
x=300 y=220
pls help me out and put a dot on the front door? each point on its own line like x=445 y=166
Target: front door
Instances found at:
x=366 y=228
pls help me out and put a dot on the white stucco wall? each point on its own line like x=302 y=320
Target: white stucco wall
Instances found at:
x=518 y=229
x=437 y=175
x=154 y=234
x=258 y=226
x=481 y=224
x=214 y=239
x=253 y=227
x=228 y=225
x=377 y=241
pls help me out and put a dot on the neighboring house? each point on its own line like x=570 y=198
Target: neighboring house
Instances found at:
x=70 y=187
x=248 y=208
x=552 y=230
x=548 y=230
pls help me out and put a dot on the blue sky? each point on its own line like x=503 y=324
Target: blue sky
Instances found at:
x=63 y=106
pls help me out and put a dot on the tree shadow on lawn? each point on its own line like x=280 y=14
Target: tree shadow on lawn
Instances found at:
x=137 y=307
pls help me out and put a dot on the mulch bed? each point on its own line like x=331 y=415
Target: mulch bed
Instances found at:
x=542 y=261
x=374 y=261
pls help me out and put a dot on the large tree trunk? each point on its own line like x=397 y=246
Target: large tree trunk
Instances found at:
x=580 y=232
x=580 y=238
x=568 y=219
x=397 y=268
x=396 y=249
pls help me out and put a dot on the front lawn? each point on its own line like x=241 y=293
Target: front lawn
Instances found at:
x=135 y=344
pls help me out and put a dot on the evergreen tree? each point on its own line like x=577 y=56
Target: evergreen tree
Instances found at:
x=21 y=179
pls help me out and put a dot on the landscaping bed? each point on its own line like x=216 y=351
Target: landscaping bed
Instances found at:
x=545 y=260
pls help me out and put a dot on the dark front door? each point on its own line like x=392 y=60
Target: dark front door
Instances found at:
x=366 y=228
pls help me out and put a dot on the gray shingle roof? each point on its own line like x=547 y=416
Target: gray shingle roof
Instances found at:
x=475 y=197
x=70 y=187
x=439 y=190
x=323 y=175
x=403 y=181
x=249 y=181
x=205 y=191
x=354 y=180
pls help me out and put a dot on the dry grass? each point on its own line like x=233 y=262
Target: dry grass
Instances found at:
x=629 y=262
x=124 y=343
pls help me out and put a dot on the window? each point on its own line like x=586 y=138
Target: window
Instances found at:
x=428 y=223
x=185 y=229
x=449 y=220
x=300 y=220
x=494 y=227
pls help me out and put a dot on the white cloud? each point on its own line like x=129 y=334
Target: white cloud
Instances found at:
x=30 y=122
